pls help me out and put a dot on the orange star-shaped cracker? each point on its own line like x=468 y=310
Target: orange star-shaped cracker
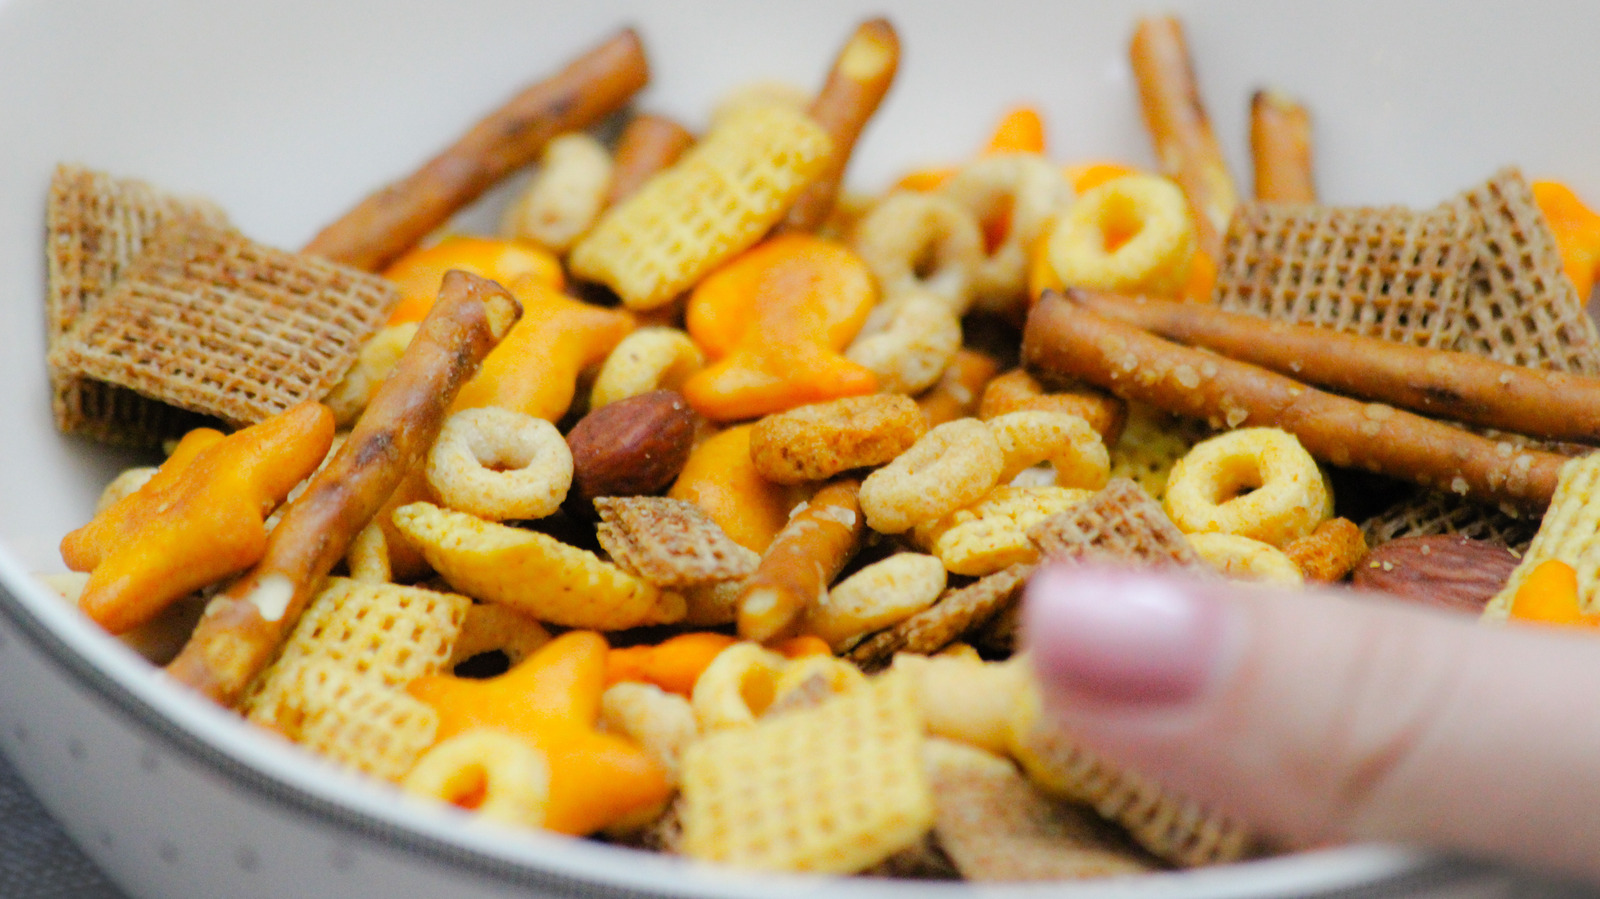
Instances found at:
x=552 y=700
x=198 y=520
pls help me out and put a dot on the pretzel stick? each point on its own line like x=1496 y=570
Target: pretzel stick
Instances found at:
x=392 y=220
x=648 y=144
x=1070 y=340
x=860 y=77
x=1440 y=383
x=802 y=561
x=1179 y=128
x=244 y=625
x=1280 y=143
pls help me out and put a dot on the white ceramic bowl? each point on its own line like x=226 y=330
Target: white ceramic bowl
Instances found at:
x=287 y=112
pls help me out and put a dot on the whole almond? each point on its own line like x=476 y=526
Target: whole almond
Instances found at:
x=632 y=447
x=1445 y=571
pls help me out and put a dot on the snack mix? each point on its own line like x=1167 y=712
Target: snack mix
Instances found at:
x=692 y=511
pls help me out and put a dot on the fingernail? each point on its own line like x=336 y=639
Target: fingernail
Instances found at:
x=1121 y=638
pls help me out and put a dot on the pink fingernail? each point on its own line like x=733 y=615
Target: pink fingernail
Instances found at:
x=1121 y=638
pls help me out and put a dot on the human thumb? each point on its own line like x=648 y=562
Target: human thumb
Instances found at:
x=1320 y=717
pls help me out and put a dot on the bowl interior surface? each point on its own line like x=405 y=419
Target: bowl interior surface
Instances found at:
x=286 y=113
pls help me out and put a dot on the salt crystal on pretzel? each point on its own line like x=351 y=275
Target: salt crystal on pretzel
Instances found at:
x=210 y=321
x=669 y=542
x=997 y=827
x=96 y=226
x=1172 y=827
x=833 y=789
x=719 y=199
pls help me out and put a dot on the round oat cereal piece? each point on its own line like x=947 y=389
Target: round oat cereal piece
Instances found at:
x=949 y=467
x=1026 y=192
x=1244 y=559
x=1254 y=482
x=918 y=241
x=916 y=343
x=499 y=464
x=1071 y=446
x=1130 y=234
x=818 y=441
x=880 y=595
x=511 y=778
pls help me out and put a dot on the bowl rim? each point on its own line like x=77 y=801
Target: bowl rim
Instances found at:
x=279 y=774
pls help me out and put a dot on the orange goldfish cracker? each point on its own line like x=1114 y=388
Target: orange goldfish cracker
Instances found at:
x=1549 y=595
x=565 y=196
x=1130 y=235
x=513 y=264
x=916 y=343
x=775 y=320
x=386 y=633
x=197 y=520
x=959 y=389
x=552 y=703
x=1018 y=391
x=817 y=441
x=925 y=242
x=661 y=723
x=831 y=789
x=498 y=464
x=673 y=664
x=1022 y=194
x=488 y=627
x=652 y=358
x=1329 y=552
x=353 y=720
x=1021 y=130
x=736 y=687
x=1066 y=441
x=531 y=572
x=820 y=539
x=1087 y=176
x=1255 y=482
x=1244 y=559
x=1577 y=231
x=880 y=595
x=992 y=533
x=798 y=647
x=709 y=206
x=535 y=368
x=492 y=773
x=720 y=478
x=949 y=467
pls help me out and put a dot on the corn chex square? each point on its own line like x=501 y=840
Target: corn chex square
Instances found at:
x=210 y=321
x=834 y=789
x=386 y=632
x=1570 y=532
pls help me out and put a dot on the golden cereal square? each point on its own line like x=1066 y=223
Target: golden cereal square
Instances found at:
x=716 y=201
x=833 y=789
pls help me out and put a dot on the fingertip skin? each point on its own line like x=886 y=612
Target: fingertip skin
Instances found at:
x=1324 y=717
